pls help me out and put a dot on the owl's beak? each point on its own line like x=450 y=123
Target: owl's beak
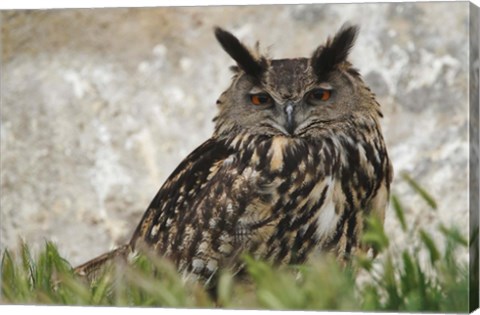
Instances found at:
x=290 y=121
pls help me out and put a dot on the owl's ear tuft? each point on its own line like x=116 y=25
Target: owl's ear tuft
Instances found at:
x=335 y=51
x=245 y=60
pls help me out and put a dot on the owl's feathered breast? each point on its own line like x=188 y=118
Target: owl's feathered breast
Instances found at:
x=275 y=198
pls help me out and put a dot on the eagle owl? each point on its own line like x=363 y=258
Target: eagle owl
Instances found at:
x=296 y=163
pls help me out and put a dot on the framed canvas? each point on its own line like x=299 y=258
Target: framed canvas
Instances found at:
x=334 y=164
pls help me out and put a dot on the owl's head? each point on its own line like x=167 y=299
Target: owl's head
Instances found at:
x=293 y=97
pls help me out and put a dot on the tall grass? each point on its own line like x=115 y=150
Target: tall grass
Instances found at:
x=395 y=281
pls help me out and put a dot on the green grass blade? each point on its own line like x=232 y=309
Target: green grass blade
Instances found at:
x=29 y=265
x=399 y=212
x=9 y=277
x=375 y=235
x=409 y=275
x=422 y=192
x=431 y=247
x=454 y=235
x=225 y=288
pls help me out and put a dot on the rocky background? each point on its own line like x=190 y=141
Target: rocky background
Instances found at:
x=100 y=105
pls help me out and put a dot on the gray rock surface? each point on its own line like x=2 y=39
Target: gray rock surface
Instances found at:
x=100 y=105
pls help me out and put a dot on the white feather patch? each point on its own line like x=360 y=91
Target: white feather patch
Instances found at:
x=327 y=219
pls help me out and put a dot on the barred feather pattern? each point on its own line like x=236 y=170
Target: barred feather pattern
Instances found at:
x=277 y=198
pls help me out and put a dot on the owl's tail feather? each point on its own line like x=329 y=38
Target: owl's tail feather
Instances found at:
x=90 y=268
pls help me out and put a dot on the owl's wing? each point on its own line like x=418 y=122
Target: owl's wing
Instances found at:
x=195 y=214
x=219 y=203
x=181 y=191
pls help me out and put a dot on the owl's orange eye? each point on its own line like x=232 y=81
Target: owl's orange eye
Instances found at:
x=320 y=94
x=260 y=99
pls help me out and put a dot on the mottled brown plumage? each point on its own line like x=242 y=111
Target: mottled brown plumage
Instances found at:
x=295 y=165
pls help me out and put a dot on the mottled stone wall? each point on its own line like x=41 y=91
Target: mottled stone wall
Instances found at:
x=99 y=106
